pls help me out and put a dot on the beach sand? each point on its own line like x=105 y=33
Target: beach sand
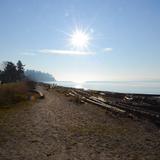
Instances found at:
x=57 y=128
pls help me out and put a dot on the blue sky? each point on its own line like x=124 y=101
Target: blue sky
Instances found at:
x=124 y=37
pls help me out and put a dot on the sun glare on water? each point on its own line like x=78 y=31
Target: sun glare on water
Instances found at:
x=79 y=39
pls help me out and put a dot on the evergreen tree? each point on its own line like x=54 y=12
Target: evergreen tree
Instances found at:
x=1 y=76
x=10 y=72
x=20 y=70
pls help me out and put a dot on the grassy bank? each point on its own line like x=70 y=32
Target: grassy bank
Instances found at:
x=12 y=93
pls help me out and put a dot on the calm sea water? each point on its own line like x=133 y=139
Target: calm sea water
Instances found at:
x=147 y=87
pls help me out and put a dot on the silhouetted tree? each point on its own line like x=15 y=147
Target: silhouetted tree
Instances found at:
x=10 y=72
x=20 y=70
x=1 y=72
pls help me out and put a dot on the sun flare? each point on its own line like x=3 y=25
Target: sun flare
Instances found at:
x=79 y=39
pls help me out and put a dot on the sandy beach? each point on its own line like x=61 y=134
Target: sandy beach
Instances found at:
x=57 y=128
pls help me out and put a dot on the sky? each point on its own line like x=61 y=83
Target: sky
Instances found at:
x=120 y=39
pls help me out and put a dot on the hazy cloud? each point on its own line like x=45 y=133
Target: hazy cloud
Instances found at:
x=64 y=52
x=107 y=50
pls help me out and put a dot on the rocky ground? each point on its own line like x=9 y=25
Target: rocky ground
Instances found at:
x=57 y=128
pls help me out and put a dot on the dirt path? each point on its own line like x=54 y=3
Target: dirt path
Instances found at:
x=58 y=129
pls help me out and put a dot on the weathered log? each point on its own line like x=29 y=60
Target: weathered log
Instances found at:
x=71 y=94
x=100 y=99
x=106 y=106
x=102 y=94
x=38 y=92
x=83 y=92
x=74 y=92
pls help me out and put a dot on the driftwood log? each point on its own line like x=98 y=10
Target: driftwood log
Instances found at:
x=106 y=106
x=38 y=92
x=94 y=100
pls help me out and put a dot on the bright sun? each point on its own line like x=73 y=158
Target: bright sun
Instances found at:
x=79 y=39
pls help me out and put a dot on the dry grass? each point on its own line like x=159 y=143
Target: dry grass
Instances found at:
x=12 y=93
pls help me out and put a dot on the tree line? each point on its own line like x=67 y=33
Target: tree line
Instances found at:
x=11 y=72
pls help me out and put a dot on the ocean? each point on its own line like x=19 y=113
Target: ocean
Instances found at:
x=140 y=87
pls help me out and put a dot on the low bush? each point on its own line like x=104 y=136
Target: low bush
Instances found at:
x=11 y=93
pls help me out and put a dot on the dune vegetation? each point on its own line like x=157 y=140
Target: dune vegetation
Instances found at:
x=12 y=93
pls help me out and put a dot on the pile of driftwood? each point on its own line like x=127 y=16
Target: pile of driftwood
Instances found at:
x=101 y=102
x=86 y=97
x=122 y=106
